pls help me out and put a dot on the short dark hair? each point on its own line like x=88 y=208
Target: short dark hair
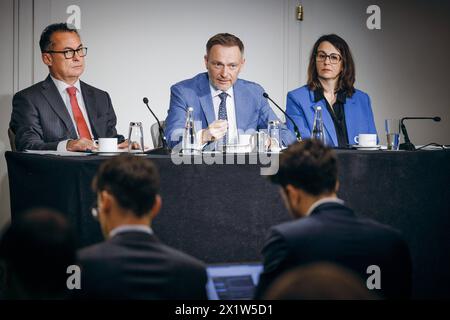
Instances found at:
x=319 y=281
x=38 y=247
x=308 y=165
x=226 y=40
x=45 y=43
x=133 y=181
x=347 y=76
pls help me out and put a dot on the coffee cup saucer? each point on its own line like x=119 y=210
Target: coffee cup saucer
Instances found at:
x=115 y=153
x=357 y=146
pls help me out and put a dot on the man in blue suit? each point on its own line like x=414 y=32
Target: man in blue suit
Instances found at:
x=224 y=106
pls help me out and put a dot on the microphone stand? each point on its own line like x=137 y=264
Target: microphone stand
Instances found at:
x=407 y=145
x=164 y=149
x=296 y=130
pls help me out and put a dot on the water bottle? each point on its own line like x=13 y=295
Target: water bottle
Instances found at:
x=274 y=134
x=317 y=131
x=189 y=144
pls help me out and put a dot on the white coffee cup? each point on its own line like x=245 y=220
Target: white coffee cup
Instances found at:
x=366 y=140
x=107 y=144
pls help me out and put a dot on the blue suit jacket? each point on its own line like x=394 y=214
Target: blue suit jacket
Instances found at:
x=252 y=109
x=358 y=115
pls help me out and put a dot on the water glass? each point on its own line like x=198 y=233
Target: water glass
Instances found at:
x=392 y=127
x=136 y=137
x=274 y=134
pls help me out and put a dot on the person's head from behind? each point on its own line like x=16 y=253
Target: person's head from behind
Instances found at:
x=319 y=281
x=331 y=59
x=35 y=251
x=224 y=59
x=63 y=52
x=127 y=189
x=307 y=172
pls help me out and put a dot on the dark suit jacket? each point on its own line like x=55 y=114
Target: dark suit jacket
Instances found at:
x=333 y=233
x=40 y=118
x=136 y=265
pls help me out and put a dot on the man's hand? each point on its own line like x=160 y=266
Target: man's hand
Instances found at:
x=82 y=144
x=215 y=131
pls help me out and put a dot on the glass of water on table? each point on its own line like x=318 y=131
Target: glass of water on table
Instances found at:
x=392 y=127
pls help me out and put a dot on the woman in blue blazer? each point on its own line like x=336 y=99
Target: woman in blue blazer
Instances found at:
x=331 y=74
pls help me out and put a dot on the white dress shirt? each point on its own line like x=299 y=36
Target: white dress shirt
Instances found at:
x=322 y=201
x=62 y=86
x=130 y=227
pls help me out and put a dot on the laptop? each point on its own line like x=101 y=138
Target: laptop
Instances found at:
x=232 y=281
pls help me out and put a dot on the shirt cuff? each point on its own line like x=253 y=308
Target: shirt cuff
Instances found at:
x=199 y=140
x=62 y=146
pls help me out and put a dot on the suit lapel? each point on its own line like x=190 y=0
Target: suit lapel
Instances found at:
x=55 y=101
x=349 y=115
x=242 y=105
x=206 y=99
x=89 y=103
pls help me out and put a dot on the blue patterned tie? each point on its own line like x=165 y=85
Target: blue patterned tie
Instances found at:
x=223 y=112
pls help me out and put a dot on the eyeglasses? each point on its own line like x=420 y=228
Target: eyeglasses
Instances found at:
x=334 y=57
x=70 y=53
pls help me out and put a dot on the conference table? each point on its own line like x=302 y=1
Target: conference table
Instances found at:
x=220 y=211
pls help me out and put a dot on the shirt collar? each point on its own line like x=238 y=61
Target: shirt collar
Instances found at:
x=215 y=92
x=322 y=201
x=62 y=86
x=341 y=95
x=130 y=227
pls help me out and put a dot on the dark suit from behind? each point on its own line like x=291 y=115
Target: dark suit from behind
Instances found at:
x=136 y=265
x=40 y=119
x=334 y=234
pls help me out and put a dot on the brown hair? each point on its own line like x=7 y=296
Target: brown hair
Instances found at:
x=347 y=76
x=133 y=181
x=308 y=165
x=224 y=39
x=320 y=281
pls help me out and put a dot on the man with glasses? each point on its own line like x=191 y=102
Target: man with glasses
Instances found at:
x=62 y=113
x=132 y=263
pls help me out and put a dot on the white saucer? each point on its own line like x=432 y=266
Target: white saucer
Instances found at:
x=115 y=153
x=377 y=147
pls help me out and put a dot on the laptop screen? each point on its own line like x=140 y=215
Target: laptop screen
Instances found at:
x=232 y=281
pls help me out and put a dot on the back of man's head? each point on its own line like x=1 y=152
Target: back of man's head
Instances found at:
x=308 y=165
x=36 y=250
x=319 y=281
x=132 y=181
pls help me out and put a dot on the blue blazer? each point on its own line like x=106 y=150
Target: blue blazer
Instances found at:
x=358 y=115
x=252 y=109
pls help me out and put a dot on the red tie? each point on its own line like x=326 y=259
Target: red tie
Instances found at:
x=82 y=127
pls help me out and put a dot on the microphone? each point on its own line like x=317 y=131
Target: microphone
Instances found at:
x=297 y=132
x=407 y=145
x=160 y=129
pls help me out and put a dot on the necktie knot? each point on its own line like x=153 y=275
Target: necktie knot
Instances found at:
x=223 y=96
x=72 y=91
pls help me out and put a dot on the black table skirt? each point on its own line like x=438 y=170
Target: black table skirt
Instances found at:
x=221 y=213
